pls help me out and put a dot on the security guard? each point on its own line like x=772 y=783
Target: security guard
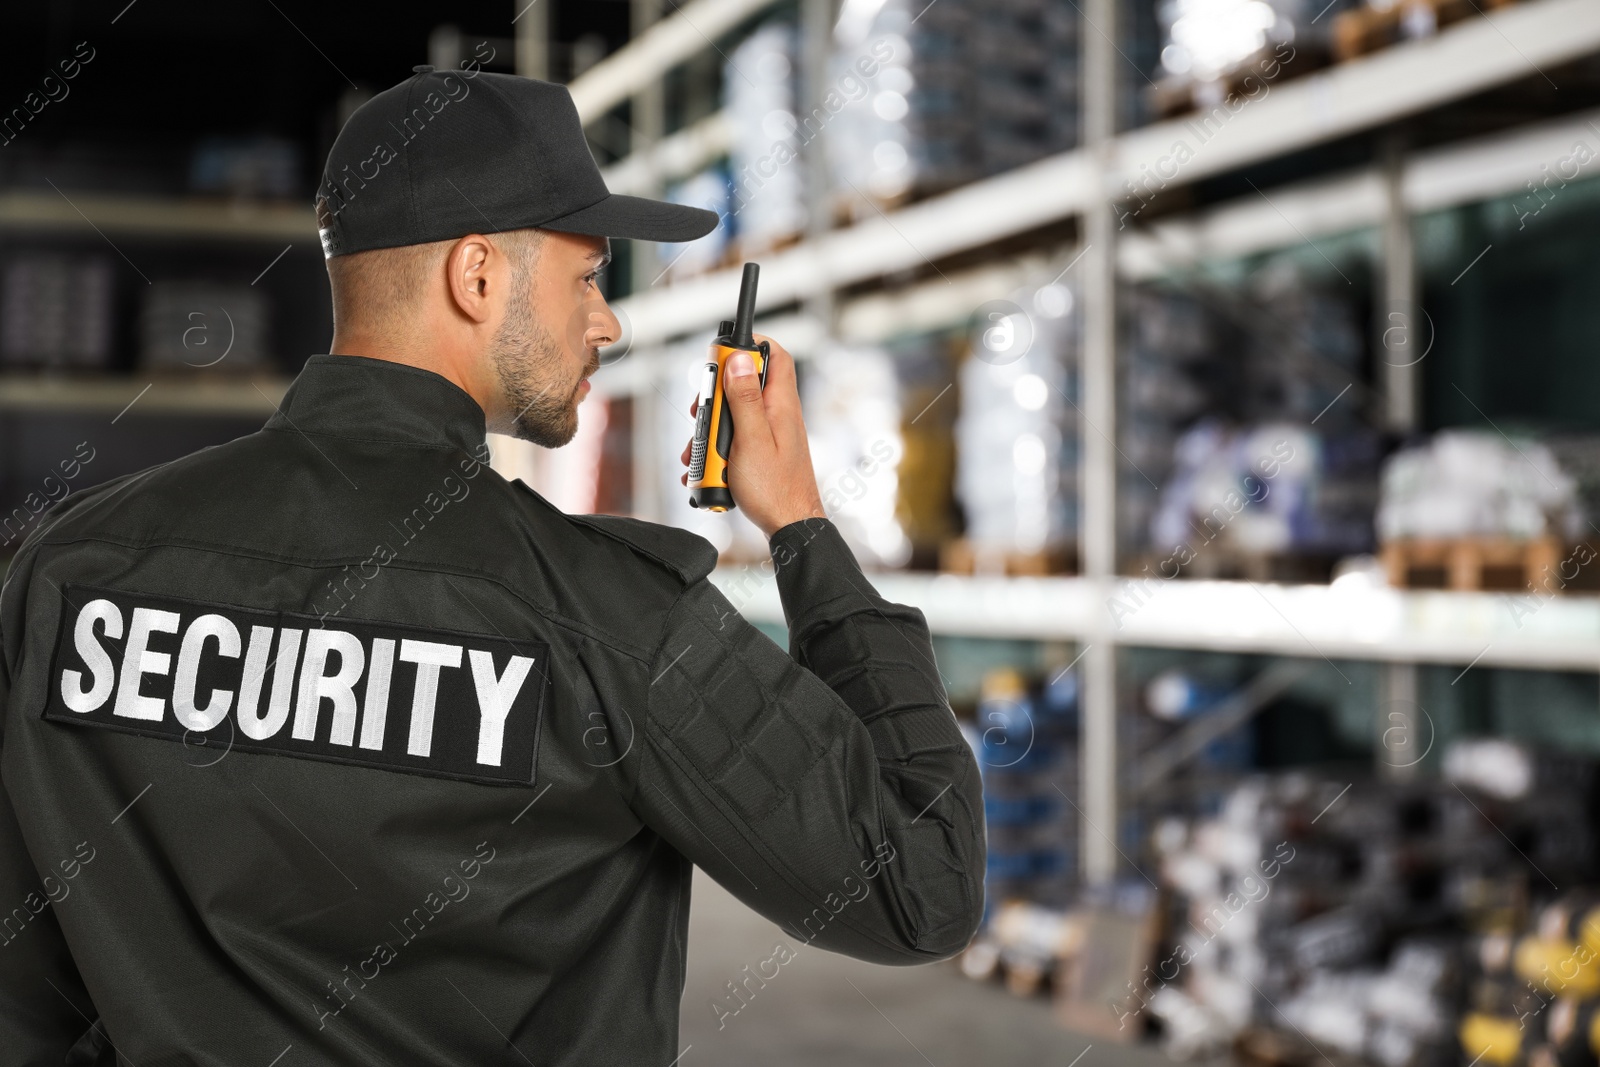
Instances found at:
x=331 y=746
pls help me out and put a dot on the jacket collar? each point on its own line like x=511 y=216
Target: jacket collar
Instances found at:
x=379 y=400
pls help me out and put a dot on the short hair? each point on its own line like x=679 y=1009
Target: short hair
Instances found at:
x=380 y=284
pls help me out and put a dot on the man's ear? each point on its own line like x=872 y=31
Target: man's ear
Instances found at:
x=475 y=269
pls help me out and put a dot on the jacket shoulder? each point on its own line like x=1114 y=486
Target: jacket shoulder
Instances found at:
x=69 y=514
x=687 y=555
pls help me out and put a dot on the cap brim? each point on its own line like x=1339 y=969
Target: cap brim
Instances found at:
x=637 y=218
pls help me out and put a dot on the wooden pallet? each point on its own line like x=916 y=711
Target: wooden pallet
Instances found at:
x=849 y=209
x=1368 y=29
x=961 y=557
x=1259 y=1046
x=1471 y=563
x=740 y=250
x=1219 y=562
x=1178 y=95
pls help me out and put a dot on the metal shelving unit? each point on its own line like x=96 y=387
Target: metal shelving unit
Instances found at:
x=1397 y=628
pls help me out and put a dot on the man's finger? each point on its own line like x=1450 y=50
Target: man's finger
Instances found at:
x=742 y=387
x=783 y=393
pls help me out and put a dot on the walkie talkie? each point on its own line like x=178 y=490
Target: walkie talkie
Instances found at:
x=708 y=465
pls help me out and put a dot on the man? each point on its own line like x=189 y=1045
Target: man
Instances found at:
x=331 y=746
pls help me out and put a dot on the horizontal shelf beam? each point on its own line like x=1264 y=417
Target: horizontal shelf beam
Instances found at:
x=1469 y=57
x=690 y=29
x=675 y=156
x=1333 y=622
x=23 y=210
x=1020 y=200
x=142 y=395
x=1433 y=180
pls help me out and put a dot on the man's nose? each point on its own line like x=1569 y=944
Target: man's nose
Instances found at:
x=604 y=328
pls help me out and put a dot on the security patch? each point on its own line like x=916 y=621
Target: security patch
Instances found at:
x=435 y=702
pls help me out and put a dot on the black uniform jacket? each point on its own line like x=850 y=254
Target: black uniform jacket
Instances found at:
x=331 y=743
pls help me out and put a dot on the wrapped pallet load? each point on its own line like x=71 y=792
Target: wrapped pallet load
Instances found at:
x=1450 y=919
x=937 y=95
x=1017 y=437
x=1217 y=55
x=1245 y=453
x=1472 y=509
x=56 y=311
x=853 y=417
x=768 y=205
x=202 y=325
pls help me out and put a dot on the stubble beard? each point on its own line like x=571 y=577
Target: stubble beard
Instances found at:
x=530 y=365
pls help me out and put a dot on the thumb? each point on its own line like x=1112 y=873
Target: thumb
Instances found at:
x=743 y=390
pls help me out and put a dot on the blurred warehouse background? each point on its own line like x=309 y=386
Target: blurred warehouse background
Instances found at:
x=1218 y=377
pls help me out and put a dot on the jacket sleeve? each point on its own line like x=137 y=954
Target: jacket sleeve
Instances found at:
x=44 y=1007
x=830 y=789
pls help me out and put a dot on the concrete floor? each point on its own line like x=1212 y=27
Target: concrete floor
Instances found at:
x=825 y=1008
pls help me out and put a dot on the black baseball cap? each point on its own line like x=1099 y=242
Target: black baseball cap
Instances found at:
x=450 y=152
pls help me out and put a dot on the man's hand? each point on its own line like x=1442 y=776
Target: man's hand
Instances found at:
x=769 y=465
